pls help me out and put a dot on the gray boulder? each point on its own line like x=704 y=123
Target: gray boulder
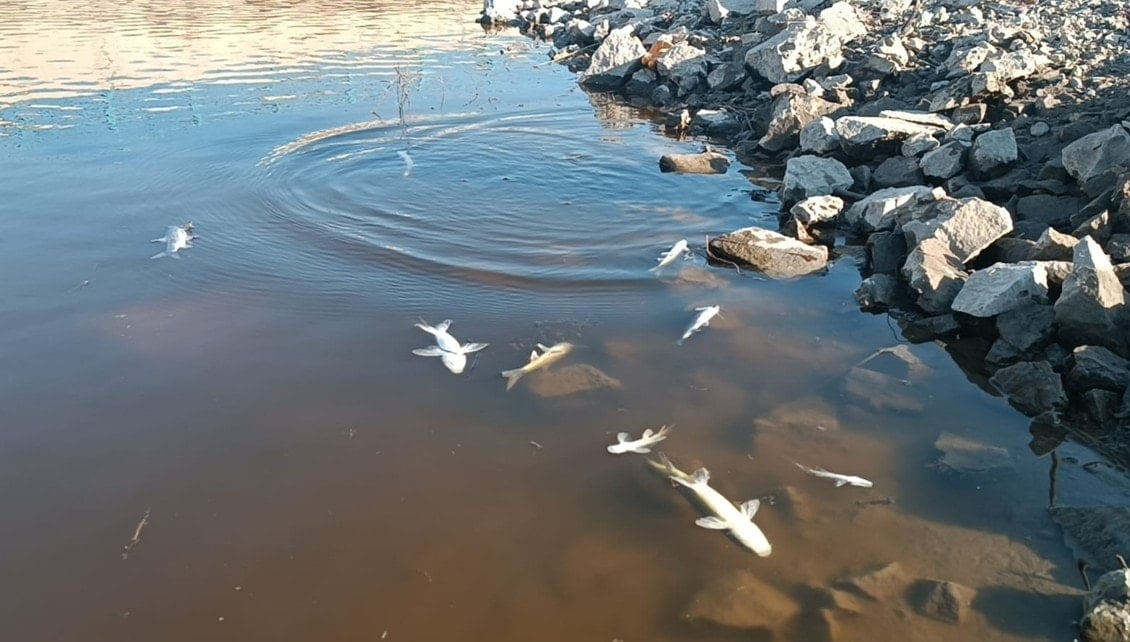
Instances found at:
x=876 y=292
x=1096 y=367
x=886 y=252
x=993 y=153
x=818 y=210
x=966 y=225
x=1032 y=387
x=792 y=111
x=919 y=144
x=708 y=162
x=807 y=176
x=877 y=210
x=1002 y=287
x=773 y=254
x=804 y=46
x=1054 y=246
x=715 y=122
x=1091 y=308
x=819 y=136
x=1106 y=609
x=684 y=65
x=945 y=162
x=897 y=171
x=932 y=270
x=1053 y=211
x=1096 y=160
x=867 y=135
x=615 y=60
x=719 y=10
x=1027 y=328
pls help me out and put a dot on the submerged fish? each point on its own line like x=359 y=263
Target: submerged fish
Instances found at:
x=840 y=479
x=176 y=238
x=701 y=321
x=447 y=348
x=737 y=520
x=548 y=356
x=625 y=444
x=668 y=257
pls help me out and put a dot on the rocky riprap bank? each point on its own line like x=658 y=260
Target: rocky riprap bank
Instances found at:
x=973 y=156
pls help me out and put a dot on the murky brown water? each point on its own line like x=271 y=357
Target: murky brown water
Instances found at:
x=306 y=477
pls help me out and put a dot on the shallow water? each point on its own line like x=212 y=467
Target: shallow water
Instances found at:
x=351 y=168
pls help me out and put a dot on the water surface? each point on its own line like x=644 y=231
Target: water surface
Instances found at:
x=351 y=168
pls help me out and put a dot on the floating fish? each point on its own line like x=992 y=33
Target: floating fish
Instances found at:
x=548 y=356
x=447 y=348
x=668 y=257
x=737 y=520
x=625 y=444
x=841 y=480
x=701 y=321
x=176 y=238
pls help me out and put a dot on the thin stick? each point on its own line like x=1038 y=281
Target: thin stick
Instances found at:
x=563 y=57
x=136 y=535
x=711 y=255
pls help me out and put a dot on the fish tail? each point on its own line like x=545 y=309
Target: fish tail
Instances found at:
x=512 y=376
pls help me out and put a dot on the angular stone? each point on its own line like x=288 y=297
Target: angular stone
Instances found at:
x=897 y=171
x=1096 y=160
x=739 y=599
x=1100 y=405
x=964 y=455
x=641 y=83
x=793 y=111
x=715 y=122
x=876 y=292
x=945 y=162
x=1106 y=609
x=1028 y=328
x=1090 y=310
x=776 y=255
x=684 y=65
x=880 y=584
x=932 y=270
x=1096 y=367
x=801 y=47
x=929 y=328
x=1053 y=211
x=708 y=162
x=1032 y=387
x=719 y=10
x=867 y=135
x=1054 y=246
x=944 y=601
x=615 y=60
x=877 y=210
x=993 y=152
x=918 y=144
x=807 y=176
x=819 y=136
x=1002 y=287
x=818 y=210
x=886 y=252
x=1118 y=248
x=966 y=225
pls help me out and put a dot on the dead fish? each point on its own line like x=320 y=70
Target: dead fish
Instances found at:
x=841 y=480
x=447 y=348
x=668 y=257
x=737 y=520
x=176 y=238
x=550 y=354
x=701 y=321
x=625 y=443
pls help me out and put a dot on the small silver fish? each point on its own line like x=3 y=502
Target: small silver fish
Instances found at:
x=668 y=257
x=176 y=238
x=625 y=443
x=841 y=480
x=549 y=355
x=447 y=348
x=701 y=321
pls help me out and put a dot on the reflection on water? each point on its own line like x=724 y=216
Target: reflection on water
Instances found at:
x=305 y=476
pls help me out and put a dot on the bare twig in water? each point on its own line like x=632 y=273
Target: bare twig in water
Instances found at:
x=136 y=535
x=536 y=444
x=710 y=255
x=564 y=57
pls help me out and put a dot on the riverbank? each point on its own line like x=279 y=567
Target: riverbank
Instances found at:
x=972 y=157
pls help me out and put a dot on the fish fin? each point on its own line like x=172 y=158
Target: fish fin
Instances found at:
x=472 y=347
x=430 y=351
x=160 y=240
x=442 y=326
x=647 y=433
x=512 y=376
x=622 y=437
x=840 y=482
x=159 y=255
x=663 y=430
x=614 y=449
x=680 y=480
x=749 y=509
x=641 y=450
x=702 y=309
x=701 y=476
x=543 y=347
x=423 y=325
x=713 y=523
x=663 y=464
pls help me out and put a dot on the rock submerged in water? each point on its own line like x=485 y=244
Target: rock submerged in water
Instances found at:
x=771 y=253
x=707 y=162
x=740 y=599
x=964 y=455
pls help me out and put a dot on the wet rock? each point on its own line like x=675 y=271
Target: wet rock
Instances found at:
x=1053 y=211
x=571 y=379
x=641 y=83
x=880 y=584
x=933 y=271
x=864 y=136
x=929 y=328
x=684 y=65
x=804 y=46
x=615 y=60
x=1032 y=387
x=819 y=136
x=1028 y=328
x=897 y=171
x=1096 y=367
x=877 y=210
x=740 y=599
x=964 y=455
x=1002 y=287
x=807 y=176
x=818 y=210
x=1054 y=246
x=1096 y=160
x=945 y=162
x=792 y=111
x=944 y=601
x=1009 y=250
x=993 y=152
x=708 y=162
x=1096 y=533
x=1090 y=309
x=876 y=292
x=886 y=252
x=775 y=255
x=1106 y=609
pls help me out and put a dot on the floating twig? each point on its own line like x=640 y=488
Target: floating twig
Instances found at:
x=136 y=535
